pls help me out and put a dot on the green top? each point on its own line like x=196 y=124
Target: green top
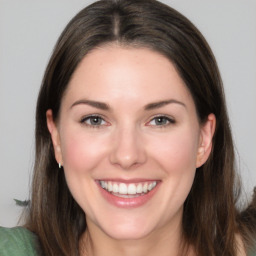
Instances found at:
x=253 y=251
x=18 y=241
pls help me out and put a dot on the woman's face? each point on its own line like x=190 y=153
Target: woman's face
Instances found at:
x=129 y=140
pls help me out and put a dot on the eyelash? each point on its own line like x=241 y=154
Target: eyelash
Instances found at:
x=168 y=121
x=161 y=118
x=90 y=119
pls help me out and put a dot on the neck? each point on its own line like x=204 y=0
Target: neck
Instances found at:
x=165 y=241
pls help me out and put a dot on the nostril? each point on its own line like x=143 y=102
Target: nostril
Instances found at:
x=127 y=159
x=127 y=149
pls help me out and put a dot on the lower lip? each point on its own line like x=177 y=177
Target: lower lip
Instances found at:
x=128 y=202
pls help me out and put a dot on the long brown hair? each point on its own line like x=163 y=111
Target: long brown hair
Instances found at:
x=210 y=216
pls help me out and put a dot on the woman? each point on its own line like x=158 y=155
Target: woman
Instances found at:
x=134 y=154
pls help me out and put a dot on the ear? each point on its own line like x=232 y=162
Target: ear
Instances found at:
x=205 y=143
x=54 y=135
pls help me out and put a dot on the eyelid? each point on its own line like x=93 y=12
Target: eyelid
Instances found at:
x=170 y=120
x=87 y=117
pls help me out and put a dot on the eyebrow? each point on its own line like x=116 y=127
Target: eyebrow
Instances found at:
x=160 y=104
x=95 y=104
x=104 y=106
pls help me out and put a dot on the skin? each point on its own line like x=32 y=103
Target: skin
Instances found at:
x=129 y=143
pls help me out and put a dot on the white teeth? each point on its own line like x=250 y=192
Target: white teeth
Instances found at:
x=110 y=187
x=128 y=189
x=145 y=188
x=139 y=188
x=115 y=188
x=131 y=189
x=102 y=183
x=123 y=189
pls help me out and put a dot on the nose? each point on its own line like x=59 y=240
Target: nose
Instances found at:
x=128 y=150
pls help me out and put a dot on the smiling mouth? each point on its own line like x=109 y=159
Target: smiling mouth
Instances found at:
x=130 y=190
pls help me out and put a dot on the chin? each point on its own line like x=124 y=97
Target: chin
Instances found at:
x=131 y=234
x=127 y=231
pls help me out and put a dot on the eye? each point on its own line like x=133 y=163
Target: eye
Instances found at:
x=93 y=120
x=161 y=121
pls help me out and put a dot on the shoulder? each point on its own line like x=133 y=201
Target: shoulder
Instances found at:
x=252 y=252
x=18 y=241
x=242 y=251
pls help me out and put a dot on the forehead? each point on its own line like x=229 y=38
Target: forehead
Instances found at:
x=113 y=71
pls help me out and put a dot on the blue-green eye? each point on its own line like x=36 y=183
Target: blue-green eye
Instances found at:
x=161 y=121
x=93 y=121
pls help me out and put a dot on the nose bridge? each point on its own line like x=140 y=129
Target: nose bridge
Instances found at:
x=127 y=150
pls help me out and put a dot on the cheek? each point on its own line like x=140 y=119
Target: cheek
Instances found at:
x=176 y=152
x=178 y=160
x=81 y=152
x=81 y=155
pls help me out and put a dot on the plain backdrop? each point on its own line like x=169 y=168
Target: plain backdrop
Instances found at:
x=28 y=32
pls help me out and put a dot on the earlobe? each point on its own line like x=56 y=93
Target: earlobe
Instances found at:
x=206 y=136
x=54 y=136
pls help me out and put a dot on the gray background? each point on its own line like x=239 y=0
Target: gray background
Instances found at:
x=28 y=32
